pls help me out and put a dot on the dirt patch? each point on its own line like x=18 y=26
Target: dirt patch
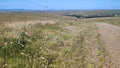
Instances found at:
x=110 y=35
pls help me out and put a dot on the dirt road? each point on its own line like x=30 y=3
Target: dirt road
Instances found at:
x=110 y=35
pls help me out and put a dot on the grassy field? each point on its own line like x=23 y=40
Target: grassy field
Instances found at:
x=112 y=20
x=30 y=41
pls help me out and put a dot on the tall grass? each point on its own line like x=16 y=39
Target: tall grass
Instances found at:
x=60 y=45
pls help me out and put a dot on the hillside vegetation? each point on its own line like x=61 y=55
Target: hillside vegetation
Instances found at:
x=30 y=41
x=93 y=13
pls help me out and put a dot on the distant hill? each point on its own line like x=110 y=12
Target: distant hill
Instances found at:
x=92 y=13
x=22 y=10
x=11 y=10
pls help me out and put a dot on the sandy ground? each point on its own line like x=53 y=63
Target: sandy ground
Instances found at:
x=110 y=35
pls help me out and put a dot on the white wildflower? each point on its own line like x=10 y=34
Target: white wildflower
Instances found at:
x=22 y=45
x=40 y=47
x=22 y=53
x=42 y=58
x=11 y=42
x=6 y=64
x=29 y=40
x=5 y=43
x=26 y=33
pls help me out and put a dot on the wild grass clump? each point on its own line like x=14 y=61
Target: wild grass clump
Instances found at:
x=25 y=51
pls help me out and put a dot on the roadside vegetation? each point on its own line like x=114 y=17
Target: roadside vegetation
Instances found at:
x=62 y=44
x=113 y=20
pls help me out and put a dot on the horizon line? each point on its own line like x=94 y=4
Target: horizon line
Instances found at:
x=58 y=9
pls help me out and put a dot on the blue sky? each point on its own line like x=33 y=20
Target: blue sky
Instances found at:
x=60 y=4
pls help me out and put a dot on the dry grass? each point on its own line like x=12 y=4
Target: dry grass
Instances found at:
x=66 y=43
